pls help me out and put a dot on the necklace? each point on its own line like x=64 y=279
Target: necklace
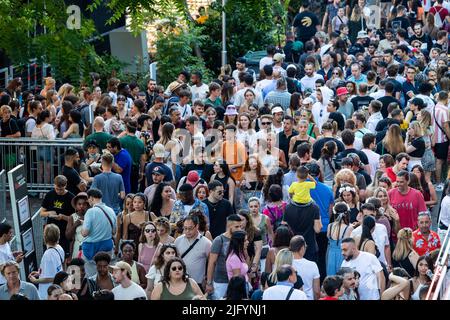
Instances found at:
x=213 y=205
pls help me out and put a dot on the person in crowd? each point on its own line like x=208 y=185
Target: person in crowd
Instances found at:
x=424 y=240
x=10 y=271
x=6 y=235
x=126 y=288
x=194 y=249
x=284 y=288
x=420 y=279
x=75 y=223
x=348 y=283
x=148 y=243
x=138 y=273
x=156 y=271
x=101 y=280
x=122 y=162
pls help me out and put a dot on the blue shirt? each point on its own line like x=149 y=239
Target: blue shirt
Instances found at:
x=285 y=283
x=110 y=184
x=27 y=289
x=269 y=88
x=362 y=79
x=323 y=196
x=123 y=160
x=290 y=177
x=96 y=222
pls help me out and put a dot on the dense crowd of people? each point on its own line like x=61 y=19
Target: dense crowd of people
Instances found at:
x=311 y=178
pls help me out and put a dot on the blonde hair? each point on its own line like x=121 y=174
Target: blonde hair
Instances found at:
x=51 y=234
x=346 y=175
x=393 y=141
x=49 y=81
x=425 y=121
x=11 y=263
x=418 y=132
x=5 y=108
x=404 y=244
x=49 y=95
x=284 y=256
x=65 y=90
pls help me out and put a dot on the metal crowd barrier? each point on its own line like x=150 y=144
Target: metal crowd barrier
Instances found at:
x=2 y=196
x=43 y=159
x=38 y=235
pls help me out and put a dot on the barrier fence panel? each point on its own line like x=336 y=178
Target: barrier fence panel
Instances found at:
x=38 y=235
x=43 y=159
x=3 y=195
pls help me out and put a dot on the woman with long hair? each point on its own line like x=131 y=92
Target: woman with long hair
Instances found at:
x=165 y=253
x=421 y=277
x=162 y=203
x=313 y=130
x=172 y=146
x=428 y=191
x=52 y=104
x=302 y=127
x=283 y=257
x=274 y=179
x=294 y=104
x=176 y=283
x=164 y=230
x=49 y=84
x=76 y=127
x=127 y=208
x=428 y=159
x=249 y=99
x=227 y=94
x=261 y=222
x=336 y=231
x=393 y=142
x=253 y=180
x=365 y=241
x=327 y=162
x=65 y=90
x=348 y=194
x=414 y=144
x=222 y=173
x=236 y=258
x=211 y=117
x=341 y=177
x=389 y=212
x=136 y=220
x=202 y=223
x=375 y=183
x=430 y=27
x=281 y=240
x=386 y=161
x=245 y=134
x=237 y=289
x=149 y=241
x=62 y=120
x=404 y=255
x=356 y=23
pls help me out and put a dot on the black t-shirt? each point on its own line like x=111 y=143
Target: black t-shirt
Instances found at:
x=385 y=101
x=61 y=204
x=300 y=218
x=339 y=118
x=318 y=145
x=305 y=24
x=9 y=127
x=362 y=156
x=400 y=22
x=419 y=144
x=361 y=101
x=218 y=213
x=73 y=179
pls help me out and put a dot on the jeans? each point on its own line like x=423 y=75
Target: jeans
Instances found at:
x=220 y=289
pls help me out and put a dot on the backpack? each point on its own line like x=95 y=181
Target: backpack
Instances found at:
x=437 y=19
x=21 y=123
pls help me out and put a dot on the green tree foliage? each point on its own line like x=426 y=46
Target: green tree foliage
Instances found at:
x=251 y=25
x=175 y=43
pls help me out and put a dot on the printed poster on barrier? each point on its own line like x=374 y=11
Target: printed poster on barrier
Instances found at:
x=24 y=210
x=28 y=242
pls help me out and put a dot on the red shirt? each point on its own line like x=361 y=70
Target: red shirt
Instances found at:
x=442 y=12
x=424 y=246
x=328 y=298
x=390 y=174
x=408 y=206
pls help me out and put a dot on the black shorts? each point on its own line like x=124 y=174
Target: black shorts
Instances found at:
x=441 y=150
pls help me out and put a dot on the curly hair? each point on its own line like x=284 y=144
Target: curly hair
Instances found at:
x=344 y=175
x=166 y=275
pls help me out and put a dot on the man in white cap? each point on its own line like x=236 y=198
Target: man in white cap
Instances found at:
x=280 y=96
x=127 y=289
x=158 y=161
x=277 y=124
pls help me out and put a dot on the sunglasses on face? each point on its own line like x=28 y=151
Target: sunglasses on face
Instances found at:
x=150 y=230
x=175 y=268
x=266 y=123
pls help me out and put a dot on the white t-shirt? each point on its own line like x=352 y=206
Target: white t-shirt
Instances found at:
x=310 y=82
x=51 y=263
x=5 y=256
x=199 y=93
x=154 y=274
x=134 y=291
x=309 y=271
x=45 y=132
x=368 y=267
x=280 y=292
x=265 y=61
x=380 y=237
x=374 y=159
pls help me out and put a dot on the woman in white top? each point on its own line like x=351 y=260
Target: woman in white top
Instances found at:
x=420 y=277
x=165 y=253
x=44 y=130
x=52 y=261
x=171 y=145
x=245 y=134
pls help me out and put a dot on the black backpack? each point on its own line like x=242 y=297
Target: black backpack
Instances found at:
x=21 y=123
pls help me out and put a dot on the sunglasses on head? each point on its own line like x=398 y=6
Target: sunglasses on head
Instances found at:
x=175 y=268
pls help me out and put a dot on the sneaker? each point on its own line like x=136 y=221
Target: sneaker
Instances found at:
x=440 y=187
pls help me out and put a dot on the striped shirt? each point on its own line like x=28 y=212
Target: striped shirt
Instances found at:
x=440 y=116
x=279 y=97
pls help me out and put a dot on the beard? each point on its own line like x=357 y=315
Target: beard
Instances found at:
x=349 y=258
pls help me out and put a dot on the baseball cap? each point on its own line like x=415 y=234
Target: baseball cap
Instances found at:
x=192 y=178
x=362 y=34
x=158 y=170
x=341 y=91
x=277 y=109
x=159 y=150
x=121 y=265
